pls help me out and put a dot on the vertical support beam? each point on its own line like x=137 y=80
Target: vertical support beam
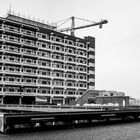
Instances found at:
x=2 y=78
x=2 y=96
x=20 y=100
x=51 y=100
x=2 y=89
x=64 y=101
x=2 y=67
x=72 y=26
x=2 y=100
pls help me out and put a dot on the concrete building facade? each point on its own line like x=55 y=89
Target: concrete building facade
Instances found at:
x=39 y=63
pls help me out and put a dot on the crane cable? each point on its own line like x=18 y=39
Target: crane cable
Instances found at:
x=65 y=20
x=86 y=20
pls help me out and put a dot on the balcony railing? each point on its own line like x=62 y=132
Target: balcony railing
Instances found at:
x=11 y=82
x=11 y=38
x=28 y=42
x=11 y=28
x=29 y=52
x=18 y=30
x=28 y=73
x=28 y=32
x=10 y=48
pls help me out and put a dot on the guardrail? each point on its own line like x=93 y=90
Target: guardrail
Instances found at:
x=90 y=108
x=42 y=106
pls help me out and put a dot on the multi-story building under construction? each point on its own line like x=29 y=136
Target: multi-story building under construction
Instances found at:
x=37 y=62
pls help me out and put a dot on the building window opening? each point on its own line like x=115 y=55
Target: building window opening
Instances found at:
x=57 y=48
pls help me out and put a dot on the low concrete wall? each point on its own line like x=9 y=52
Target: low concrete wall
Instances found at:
x=121 y=100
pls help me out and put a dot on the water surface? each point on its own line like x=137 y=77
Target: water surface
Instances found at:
x=125 y=131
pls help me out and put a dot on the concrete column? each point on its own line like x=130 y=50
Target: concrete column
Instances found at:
x=2 y=89
x=21 y=79
x=2 y=68
x=20 y=100
x=37 y=81
x=64 y=101
x=21 y=69
x=2 y=100
x=2 y=78
x=51 y=99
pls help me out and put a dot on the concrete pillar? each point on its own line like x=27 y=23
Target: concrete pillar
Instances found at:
x=20 y=100
x=37 y=90
x=51 y=99
x=2 y=78
x=2 y=100
x=2 y=89
x=123 y=103
x=2 y=67
x=64 y=101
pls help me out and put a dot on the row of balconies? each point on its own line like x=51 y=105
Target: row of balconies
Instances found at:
x=17 y=30
x=16 y=49
x=30 y=80
x=60 y=48
x=68 y=50
x=41 y=35
x=47 y=54
x=19 y=90
x=58 y=92
x=38 y=73
x=41 y=63
x=27 y=41
x=10 y=28
x=61 y=41
x=17 y=68
x=21 y=41
x=68 y=67
x=31 y=61
x=41 y=54
x=12 y=80
x=68 y=42
x=65 y=70
x=32 y=89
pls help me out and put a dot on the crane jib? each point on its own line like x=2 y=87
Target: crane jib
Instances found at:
x=85 y=26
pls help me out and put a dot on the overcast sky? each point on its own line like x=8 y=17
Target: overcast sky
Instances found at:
x=117 y=43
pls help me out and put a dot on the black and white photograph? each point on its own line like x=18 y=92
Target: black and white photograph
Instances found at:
x=69 y=70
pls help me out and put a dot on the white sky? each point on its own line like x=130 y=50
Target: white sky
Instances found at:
x=117 y=43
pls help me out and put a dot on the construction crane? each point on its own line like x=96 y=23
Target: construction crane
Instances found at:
x=73 y=28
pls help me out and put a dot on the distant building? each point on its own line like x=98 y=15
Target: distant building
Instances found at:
x=38 y=63
x=134 y=101
x=105 y=100
x=101 y=97
x=106 y=93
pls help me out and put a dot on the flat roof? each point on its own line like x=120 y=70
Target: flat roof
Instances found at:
x=29 y=21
